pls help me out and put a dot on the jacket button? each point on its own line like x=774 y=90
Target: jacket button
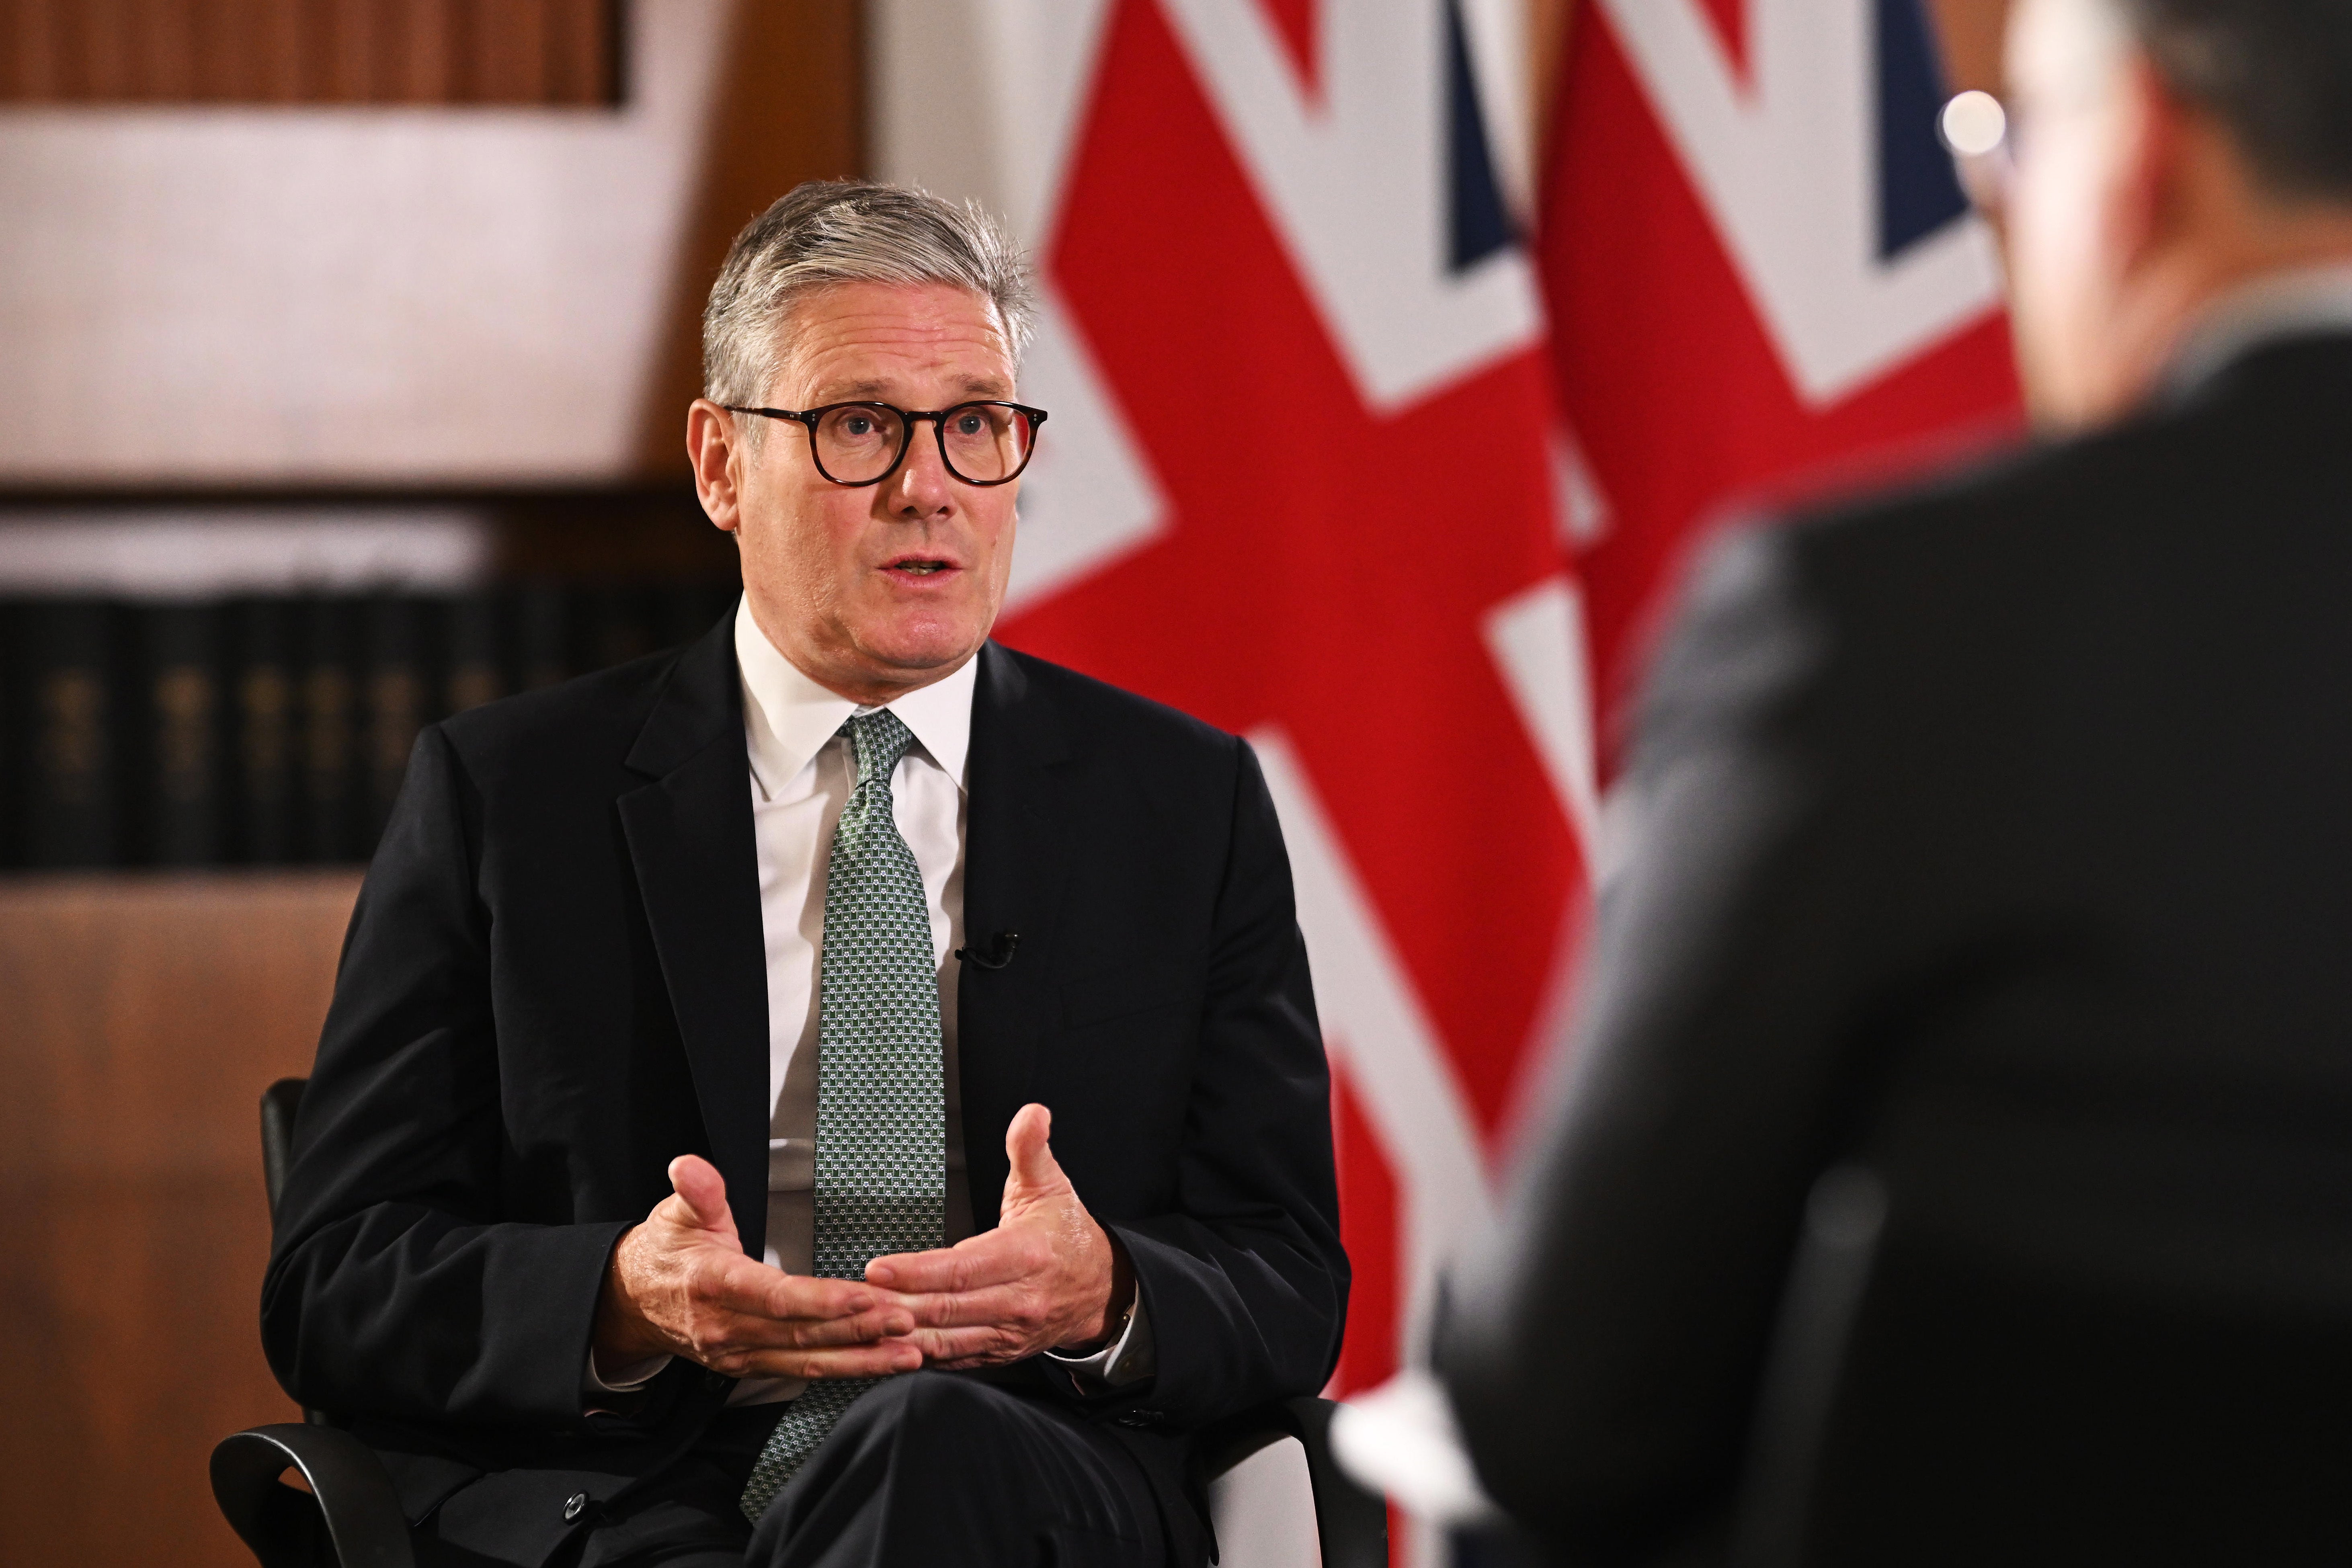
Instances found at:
x=574 y=1505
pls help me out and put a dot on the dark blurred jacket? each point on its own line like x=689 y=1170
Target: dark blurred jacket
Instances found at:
x=1998 y=838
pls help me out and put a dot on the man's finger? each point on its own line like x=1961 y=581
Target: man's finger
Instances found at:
x=883 y=1360
x=733 y=1283
x=1003 y=1304
x=1027 y=1146
x=991 y=1258
x=761 y=1334
x=788 y=1296
x=703 y=1191
x=956 y=1349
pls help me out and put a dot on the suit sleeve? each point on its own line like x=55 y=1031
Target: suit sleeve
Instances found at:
x=392 y=1289
x=1602 y=1350
x=1246 y=1285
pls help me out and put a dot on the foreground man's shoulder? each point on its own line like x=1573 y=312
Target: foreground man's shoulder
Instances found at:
x=2039 y=499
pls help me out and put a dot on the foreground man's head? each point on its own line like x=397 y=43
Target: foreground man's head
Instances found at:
x=853 y=294
x=2165 y=153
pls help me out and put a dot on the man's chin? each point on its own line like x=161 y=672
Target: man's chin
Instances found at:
x=921 y=659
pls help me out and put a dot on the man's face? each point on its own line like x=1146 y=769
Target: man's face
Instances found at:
x=882 y=588
x=2071 y=218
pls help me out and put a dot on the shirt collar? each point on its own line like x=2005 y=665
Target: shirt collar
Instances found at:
x=788 y=717
x=2297 y=304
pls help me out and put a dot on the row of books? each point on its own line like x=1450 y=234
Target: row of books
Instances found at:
x=274 y=731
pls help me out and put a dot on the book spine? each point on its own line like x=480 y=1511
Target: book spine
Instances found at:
x=72 y=741
x=327 y=701
x=684 y=611
x=265 y=725
x=12 y=733
x=543 y=622
x=477 y=664
x=180 y=731
x=397 y=691
x=276 y=730
x=619 y=621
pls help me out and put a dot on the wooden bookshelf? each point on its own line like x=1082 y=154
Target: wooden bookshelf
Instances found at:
x=144 y=1015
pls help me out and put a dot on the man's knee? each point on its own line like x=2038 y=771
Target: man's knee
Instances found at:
x=925 y=1407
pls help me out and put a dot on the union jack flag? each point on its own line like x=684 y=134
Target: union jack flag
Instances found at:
x=1309 y=477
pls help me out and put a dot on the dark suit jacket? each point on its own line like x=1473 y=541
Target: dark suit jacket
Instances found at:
x=555 y=982
x=1998 y=837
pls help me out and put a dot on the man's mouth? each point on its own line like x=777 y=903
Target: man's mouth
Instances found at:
x=920 y=565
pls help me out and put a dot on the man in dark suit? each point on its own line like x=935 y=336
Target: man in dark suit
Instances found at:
x=1994 y=840
x=696 y=1015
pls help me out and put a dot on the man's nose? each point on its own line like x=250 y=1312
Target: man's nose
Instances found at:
x=922 y=486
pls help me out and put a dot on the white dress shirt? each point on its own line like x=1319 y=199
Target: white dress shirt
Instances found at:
x=802 y=771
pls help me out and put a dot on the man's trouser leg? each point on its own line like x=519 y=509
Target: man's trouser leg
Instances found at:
x=933 y=1468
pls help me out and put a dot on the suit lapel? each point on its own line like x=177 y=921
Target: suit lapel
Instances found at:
x=1016 y=861
x=691 y=841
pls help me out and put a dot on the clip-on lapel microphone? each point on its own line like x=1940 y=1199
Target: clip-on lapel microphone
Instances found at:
x=999 y=953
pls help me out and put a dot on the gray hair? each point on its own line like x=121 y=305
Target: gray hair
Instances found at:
x=848 y=231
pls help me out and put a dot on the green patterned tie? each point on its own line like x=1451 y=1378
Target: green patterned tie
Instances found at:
x=881 y=1118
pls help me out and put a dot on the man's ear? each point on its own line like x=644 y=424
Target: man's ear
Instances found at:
x=2157 y=190
x=712 y=448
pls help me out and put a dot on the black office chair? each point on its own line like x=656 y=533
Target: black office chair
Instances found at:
x=351 y=1517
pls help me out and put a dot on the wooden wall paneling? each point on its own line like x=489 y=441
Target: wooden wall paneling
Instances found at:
x=509 y=49
x=97 y=56
x=1548 y=24
x=348 y=55
x=791 y=107
x=423 y=47
x=1972 y=31
x=159 y=42
x=546 y=52
x=582 y=52
x=260 y=50
x=143 y=1018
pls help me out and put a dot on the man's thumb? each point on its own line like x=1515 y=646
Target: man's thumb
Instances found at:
x=1026 y=1146
x=702 y=1190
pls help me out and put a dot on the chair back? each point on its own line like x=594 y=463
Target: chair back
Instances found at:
x=1939 y=1398
x=280 y=1101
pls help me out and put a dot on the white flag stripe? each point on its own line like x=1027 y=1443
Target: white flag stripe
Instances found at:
x=1786 y=163
x=1537 y=638
x=1356 y=183
x=1089 y=496
x=1373 y=1022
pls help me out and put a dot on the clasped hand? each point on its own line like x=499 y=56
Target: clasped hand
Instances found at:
x=1047 y=1277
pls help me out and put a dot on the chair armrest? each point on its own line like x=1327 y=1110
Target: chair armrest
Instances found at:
x=351 y=1517
x=1352 y=1524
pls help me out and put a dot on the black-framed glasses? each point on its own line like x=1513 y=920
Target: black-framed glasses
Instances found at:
x=984 y=443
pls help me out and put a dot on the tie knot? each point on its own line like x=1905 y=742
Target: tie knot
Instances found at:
x=878 y=740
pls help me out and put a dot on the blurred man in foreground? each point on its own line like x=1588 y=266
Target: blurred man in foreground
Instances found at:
x=1992 y=884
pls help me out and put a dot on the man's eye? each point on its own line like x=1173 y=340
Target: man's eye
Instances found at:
x=970 y=425
x=858 y=424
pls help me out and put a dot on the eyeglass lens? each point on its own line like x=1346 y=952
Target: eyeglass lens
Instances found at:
x=983 y=442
